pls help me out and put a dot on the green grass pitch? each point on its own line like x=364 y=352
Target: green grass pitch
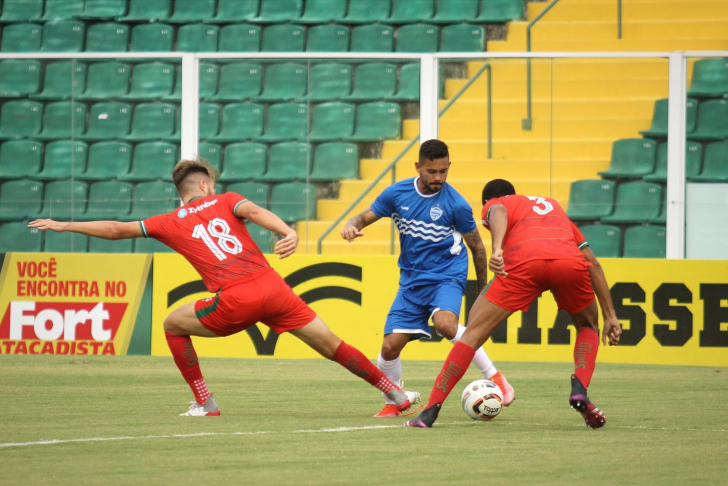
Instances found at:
x=309 y=422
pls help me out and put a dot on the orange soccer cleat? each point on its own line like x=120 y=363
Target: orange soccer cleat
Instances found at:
x=509 y=394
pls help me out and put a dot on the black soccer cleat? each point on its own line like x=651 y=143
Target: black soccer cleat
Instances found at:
x=593 y=417
x=426 y=419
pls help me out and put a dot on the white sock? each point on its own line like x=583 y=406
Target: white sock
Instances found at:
x=481 y=359
x=392 y=370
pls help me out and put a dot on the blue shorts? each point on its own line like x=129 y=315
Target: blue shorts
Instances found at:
x=412 y=308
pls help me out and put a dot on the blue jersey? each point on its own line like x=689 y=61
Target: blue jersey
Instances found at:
x=430 y=232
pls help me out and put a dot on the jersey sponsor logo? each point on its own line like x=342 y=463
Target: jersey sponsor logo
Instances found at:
x=196 y=209
x=405 y=208
x=435 y=213
x=182 y=213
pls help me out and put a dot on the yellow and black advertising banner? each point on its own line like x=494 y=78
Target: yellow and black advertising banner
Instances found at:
x=672 y=312
x=71 y=304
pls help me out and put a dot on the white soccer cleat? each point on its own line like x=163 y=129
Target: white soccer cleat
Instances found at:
x=404 y=399
x=208 y=409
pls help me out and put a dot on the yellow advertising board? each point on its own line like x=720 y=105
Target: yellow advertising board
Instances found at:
x=673 y=312
x=70 y=304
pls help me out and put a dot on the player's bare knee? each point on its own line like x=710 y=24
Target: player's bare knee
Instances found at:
x=390 y=351
x=447 y=328
x=170 y=326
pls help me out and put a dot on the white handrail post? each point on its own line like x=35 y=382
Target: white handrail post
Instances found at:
x=429 y=80
x=677 y=92
x=189 y=116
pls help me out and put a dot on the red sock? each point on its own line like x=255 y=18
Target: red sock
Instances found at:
x=185 y=358
x=354 y=360
x=456 y=364
x=585 y=354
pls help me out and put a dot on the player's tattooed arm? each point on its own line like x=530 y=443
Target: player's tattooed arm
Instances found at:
x=353 y=227
x=480 y=257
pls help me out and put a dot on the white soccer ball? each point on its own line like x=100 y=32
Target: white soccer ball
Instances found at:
x=482 y=400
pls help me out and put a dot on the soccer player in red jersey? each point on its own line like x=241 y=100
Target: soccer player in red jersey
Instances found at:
x=535 y=248
x=209 y=231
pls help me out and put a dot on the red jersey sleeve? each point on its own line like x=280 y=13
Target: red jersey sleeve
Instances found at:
x=486 y=209
x=578 y=236
x=155 y=227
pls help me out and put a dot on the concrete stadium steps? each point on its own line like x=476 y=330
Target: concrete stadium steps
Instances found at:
x=598 y=109
x=703 y=29
x=561 y=88
x=632 y=10
x=624 y=45
x=575 y=69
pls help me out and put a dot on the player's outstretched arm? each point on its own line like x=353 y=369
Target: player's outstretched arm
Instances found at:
x=353 y=227
x=480 y=257
x=270 y=221
x=612 y=327
x=109 y=230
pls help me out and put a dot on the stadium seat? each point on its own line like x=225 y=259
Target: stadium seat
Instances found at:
x=659 y=118
x=152 y=161
x=367 y=12
x=19 y=78
x=239 y=81
x=710 y=78
x=453 y=11
x=284 y=82
x=239 y=38
x=212 y=152
x=62 y=80
x=322 y=11
x=100 y=245
x=418 y=38
x=329 y=81
x=374 y=81
x=21 y=38
x=64 y=200
x=286 y=121
x=590 y=199
x=103 y=9
x=150 y=245
x=20 y=119
x=20 y=158
x=209 y=120
x=110 y=37
x=147 y=11
x=499 y=11
x=632 y=157
x=462 y=38
x=712 y=121
x=256 y=192
x=18 y=237
x=232 y=11
x=209 y=74
x=410 y=11
x=62 y=9
x=288 y=161
x=409 y=84
x=20 y=199
x=65 y=242
x=152 y=198
x=151 y=80
x=645 y=242
x=715 y=165
x=21 y=11
x=108 y=120
x=372 y=38
x=284 y=38
x=197 y=38
x=276 y=11
x=107 y=80
x=63 y=36
x=636 y=202
x=332 y=121
x=241 y=121
x=62 y=159
x=335 y=161
x=377 y=121
x=152 y=121
x=63 y=119
x=604 y=240
x=107 y=160
x=293 y=201
x=262 y=237
x=662 y=217
x=187 y=11
x=152 y=38
x=693 y=161
x=243 y=161
x=328 y=38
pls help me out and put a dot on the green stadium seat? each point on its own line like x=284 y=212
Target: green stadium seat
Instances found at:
x=372 y=38
x=197 y=38
x=418 y=38
x=322 y=11
x=212 y=152
x=712 y=121
x=152 y=161
x=409 y=84
x=152 y=38
x=452 y=11
x=284 y=38
x=377 y=121
x=631 y=157
x=62 y=9
x=329 y=81
x=63 y=119
x=239 y=38
x=152 y=198
x=239 y=81
x=150 y=245
x=332 y=121
x=62 y=80
x=20 y=119
x=243 y=161
x=241 y=121
x=256 y=192
x=107 y=160
x=19 y=78
x=328 y=38
x=147 y=11
x=262 y=237
x=645 y=242
x=286 y=121
x=62 y=159
x=100 y=245
x=335 y=161
x=151 y=80
x=21 y=11
x=366 y=12
x=604 y=240
x=232 y=11
x=661 y=218
x=108 y=120
x=693 y=161
x=18 y=237
x=107 y=80
x=207 y=82
x=710 y=78
x=20 y=158
x=186 y=11
x=209 y=120
x=108 y=37
x=410 y=11
x=288 y=161
x=374 y=81
x=715 y=165
x=284 y=82
x=293 y=201
x=152 y=121
x=20 y=199
x=659 y=118
x=63 y=36
x=21 y=38
x=462 y=38
x=103 y=9
x=500 y=11
x=64 y=200
x=590 y=199
x=276 y=11
x=636 y=202
x=65 y=242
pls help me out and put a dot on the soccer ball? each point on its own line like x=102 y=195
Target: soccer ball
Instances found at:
x=482 y=400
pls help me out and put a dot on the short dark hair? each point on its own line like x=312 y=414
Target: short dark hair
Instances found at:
x=433 y=149
x=187 y=167
x=497 y=188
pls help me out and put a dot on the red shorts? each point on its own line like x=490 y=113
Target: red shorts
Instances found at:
x=267 y=299
x=568 y=281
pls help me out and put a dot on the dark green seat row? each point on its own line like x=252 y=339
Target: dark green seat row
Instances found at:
x=644 y=241
x=707 y=120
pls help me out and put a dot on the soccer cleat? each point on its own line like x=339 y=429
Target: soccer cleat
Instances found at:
x=509 y=394
x=403 y=399
x=578 y=400
x=389 y=410
x=426 y=418
x=208 y=409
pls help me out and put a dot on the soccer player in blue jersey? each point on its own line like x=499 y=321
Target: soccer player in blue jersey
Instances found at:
x=433 y=220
